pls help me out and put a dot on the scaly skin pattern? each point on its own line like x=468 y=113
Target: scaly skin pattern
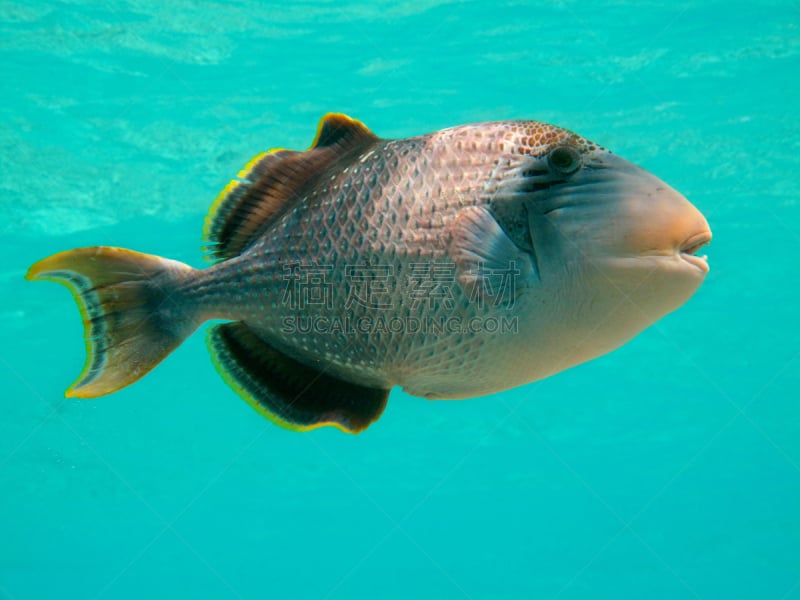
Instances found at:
x=344 y=276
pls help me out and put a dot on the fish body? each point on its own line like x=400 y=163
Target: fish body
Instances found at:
x=453 y=264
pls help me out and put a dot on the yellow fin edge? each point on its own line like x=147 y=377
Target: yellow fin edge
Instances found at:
x=35 y=273
x=242 y=175
x=218 y=201
x=256 y=405
x=333 y=115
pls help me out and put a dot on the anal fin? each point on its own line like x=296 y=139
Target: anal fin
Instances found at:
x=290 y=393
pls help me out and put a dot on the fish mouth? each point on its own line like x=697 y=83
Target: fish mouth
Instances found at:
x=688 y=250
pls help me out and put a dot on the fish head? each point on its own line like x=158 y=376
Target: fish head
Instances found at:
x=613 y=243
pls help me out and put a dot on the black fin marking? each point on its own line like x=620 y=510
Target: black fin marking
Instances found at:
x=286 y=391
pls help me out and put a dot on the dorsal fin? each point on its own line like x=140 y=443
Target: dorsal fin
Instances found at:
x=337 y=129
x=273 y=180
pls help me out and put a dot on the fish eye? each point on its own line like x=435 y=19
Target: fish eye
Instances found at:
x=565 y=159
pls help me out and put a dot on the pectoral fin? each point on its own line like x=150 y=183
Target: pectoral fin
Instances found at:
x=491 y=267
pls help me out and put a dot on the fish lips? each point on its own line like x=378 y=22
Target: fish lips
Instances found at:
x=633 y=212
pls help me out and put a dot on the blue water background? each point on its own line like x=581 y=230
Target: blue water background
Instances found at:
x=668 y=469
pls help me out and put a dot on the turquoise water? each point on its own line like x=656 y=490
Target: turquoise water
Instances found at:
x=668 y=469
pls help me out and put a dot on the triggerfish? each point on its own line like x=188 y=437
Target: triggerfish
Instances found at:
x=454 y=264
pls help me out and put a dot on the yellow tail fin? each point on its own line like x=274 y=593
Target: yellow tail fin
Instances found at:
x=132 y=316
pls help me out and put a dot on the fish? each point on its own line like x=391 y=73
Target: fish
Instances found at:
x=454 y=264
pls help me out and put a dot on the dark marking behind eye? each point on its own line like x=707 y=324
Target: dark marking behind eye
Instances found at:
x=535 y=171
x=530 y=185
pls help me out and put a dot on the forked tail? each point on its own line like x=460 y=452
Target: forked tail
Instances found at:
x=132 y=316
